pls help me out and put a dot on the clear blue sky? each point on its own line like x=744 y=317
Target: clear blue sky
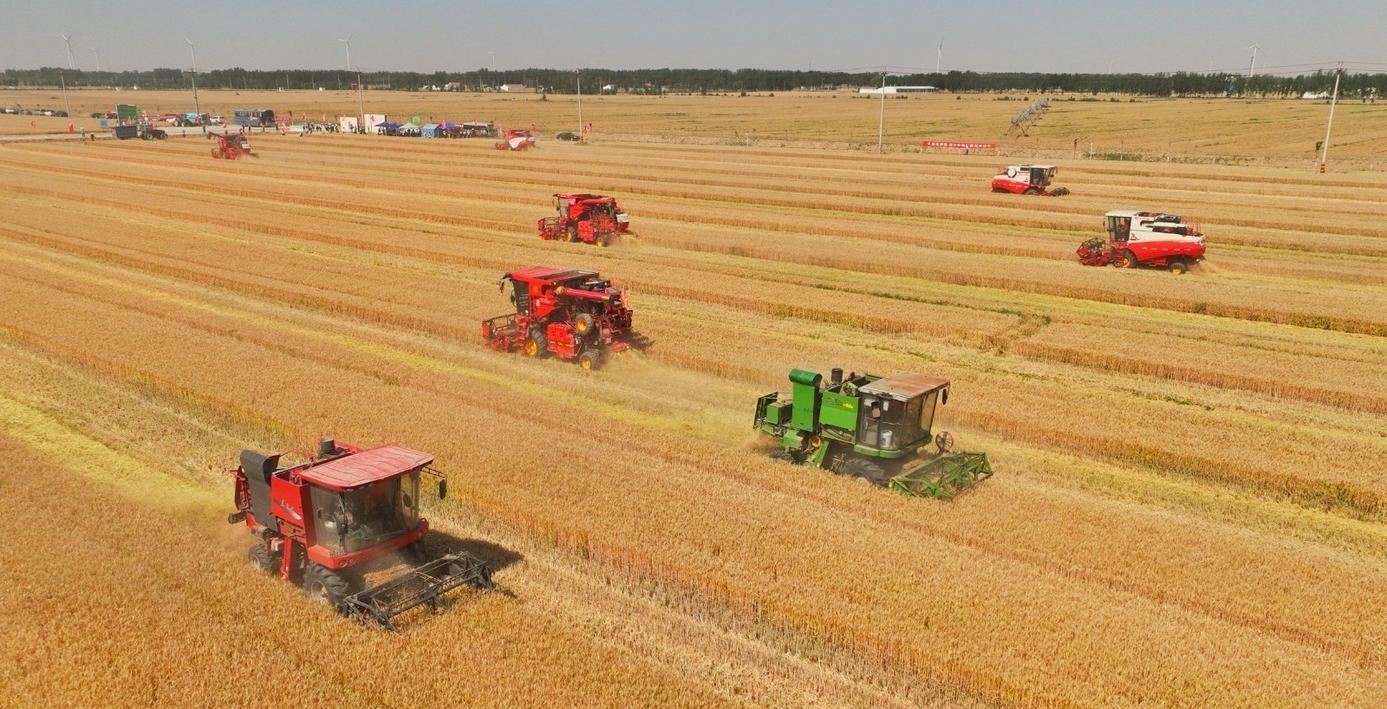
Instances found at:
x=985 y=35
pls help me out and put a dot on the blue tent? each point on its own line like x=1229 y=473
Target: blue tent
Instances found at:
x=430 y=130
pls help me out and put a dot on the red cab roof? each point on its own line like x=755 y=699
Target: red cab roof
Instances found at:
x=549 y=273
x=365 y=467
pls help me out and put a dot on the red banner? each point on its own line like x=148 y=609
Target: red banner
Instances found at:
x=957 y=144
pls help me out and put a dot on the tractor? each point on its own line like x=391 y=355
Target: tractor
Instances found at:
x=1028 y=179
x=344 y=511
x=1145 y=239
x=875 y=429
x=574 y=315
x=517 y=139
x=589 y=218
x=230 y=147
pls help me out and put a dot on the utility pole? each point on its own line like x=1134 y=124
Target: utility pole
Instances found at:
x=1324 y=149
x=192 y=48
x=881 y=114
x=578 y=74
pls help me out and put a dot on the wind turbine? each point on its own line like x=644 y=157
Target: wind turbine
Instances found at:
x=97 y=54
x=939 y=58
x=67 y=40
x=1252 y=68
x=360 y=100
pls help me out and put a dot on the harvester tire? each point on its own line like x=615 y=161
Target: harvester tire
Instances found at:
x=583 y=323
x=1032 y=191
x=263 y=559
x=326 y=586
x=1127 y=260
x=536 y=344
x=1178 y=266
x=784 y=455
x=866 y=470
x=571 y=233
x=588 y=360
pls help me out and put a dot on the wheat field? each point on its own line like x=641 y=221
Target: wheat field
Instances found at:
x=1189 y=508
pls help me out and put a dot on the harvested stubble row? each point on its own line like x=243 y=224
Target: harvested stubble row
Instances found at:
x=1108 y=555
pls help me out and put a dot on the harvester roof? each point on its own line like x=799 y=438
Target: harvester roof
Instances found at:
x=904 y=386
x=365 y=467
x=550 y=273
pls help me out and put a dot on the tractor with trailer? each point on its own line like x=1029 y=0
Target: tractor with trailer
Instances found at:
x=876 y=429
x=517 y=139
x=343 y=511
x=574 y=315
x=1145 y=239
x=1028 y=179
x=588 y=218
x=230 y=147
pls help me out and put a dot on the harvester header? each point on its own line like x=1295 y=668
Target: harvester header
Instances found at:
x=876 y=429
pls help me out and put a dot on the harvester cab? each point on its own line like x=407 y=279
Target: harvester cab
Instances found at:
x=876 y=429
x=1145 y=239
x=345 y=511
x=574 y=315
x=1028 y=179
x=589 y=218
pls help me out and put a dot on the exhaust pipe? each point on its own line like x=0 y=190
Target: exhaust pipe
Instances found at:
x=327 y=448
x=836 y=376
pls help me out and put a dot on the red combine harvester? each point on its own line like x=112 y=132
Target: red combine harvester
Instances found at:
x=573 y=315
x=517 y=139
x=1149 y=239
x=230 y=147
x=589 y=218
x=346 y=510
x=1028 y=179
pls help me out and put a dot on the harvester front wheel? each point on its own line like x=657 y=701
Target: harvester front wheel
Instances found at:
x=588 y=360
x=571 y=233
x=1032 y=191
x=865 y=470
x=1128 y=260
x=263 y=559
x=326 y=586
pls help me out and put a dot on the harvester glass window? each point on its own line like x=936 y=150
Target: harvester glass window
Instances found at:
x=363 y=517
x=880 y=423
x=925 y=414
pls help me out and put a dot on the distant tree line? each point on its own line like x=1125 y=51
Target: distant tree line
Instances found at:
x=711 y=81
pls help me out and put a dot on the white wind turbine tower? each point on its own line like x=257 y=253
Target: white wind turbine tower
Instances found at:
x=1252 y=68
x=939 y=58
x=67 y=40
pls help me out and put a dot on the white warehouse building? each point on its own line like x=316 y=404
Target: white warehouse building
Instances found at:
x=874 y=90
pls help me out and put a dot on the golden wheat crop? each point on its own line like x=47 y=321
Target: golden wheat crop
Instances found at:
x=1188 y=508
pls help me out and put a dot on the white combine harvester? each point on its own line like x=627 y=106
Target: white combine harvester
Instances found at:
x=1028 y=179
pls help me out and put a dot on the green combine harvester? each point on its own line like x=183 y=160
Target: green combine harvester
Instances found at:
x=872 y=428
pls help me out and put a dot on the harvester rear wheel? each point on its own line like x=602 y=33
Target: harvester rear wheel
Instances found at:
x=1178 y=266
x=326 y=586
x=263 y=559
x=865 y=470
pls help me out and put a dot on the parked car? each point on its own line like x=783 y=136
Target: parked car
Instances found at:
x=569 y=136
